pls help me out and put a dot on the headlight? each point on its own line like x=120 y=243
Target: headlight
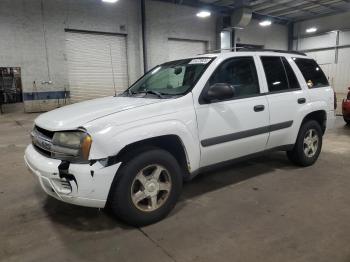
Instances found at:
x=73 y=145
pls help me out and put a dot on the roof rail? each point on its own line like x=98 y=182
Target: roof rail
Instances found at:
x=247 y=49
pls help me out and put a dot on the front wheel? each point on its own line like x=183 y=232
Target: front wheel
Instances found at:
x=147 y=188
x=308 y=145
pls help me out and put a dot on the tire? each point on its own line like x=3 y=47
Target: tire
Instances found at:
x=132 y=198
x=306 y=151
x=347 y=121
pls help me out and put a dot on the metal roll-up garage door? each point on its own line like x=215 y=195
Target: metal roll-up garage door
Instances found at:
x=97 y=65
x=179 y=48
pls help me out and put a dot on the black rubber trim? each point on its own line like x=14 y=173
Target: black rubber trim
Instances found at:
x=229 y=162
x=279 y=126
x=244 y=134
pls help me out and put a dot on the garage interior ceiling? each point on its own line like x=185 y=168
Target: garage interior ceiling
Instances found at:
x=285 y=10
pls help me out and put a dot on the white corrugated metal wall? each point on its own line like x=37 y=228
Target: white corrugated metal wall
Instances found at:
x=333 y=57
x=97 y=65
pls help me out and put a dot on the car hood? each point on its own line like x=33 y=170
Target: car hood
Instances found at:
x=76 y=115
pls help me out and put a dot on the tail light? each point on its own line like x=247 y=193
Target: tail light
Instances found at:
x=335 y=100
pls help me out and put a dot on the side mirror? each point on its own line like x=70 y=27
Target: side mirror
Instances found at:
x=219 y=91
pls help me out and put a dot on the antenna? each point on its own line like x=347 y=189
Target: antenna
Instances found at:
x=110 y=53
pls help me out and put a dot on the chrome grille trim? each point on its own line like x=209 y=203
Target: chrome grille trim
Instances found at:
x=45 y=146
x=41 y=141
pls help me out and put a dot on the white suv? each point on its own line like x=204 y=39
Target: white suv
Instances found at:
x=132 y=152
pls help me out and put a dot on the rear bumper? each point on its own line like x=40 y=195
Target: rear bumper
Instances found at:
x=346 y=109
x=89 y=185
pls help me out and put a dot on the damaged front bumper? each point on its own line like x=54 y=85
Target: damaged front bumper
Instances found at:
x=81 y=184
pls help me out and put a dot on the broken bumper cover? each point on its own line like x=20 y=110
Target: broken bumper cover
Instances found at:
x=87 y=185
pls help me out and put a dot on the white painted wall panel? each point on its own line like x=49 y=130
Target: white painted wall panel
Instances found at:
x=179 y=49
x=344 y=38
x=315 y=42
x=97 y=65
x=169 y=21
x=323 y=57
x=324 y=24
x=344 y=55
x=338 y=74
x=342 y=71
x=271 y=37
x=22 y=39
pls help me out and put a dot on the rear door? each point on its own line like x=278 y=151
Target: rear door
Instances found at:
x=320 y=92
x=285 y=98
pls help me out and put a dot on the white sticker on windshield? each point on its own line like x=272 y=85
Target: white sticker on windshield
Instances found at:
x=200 y=61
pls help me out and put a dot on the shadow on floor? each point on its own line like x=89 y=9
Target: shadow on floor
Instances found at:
x=80 y=218
x=92 y=219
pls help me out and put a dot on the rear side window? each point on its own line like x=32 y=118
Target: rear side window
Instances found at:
x=292 y=79
x=279 y=74
x=312 y=73
x=275 y=73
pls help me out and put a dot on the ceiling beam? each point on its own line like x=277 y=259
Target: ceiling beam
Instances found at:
x=304 y=6
x=326 y=5
x=304 y=18
x=299 y=6
x=280 y=7
x=268 y=4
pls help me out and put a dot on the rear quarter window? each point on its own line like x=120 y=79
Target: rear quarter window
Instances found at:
x=312 y=72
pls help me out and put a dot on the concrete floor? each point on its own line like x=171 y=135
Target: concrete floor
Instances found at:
x=261 y=210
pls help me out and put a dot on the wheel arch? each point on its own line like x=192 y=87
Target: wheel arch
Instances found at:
x=319 y=116
x=170 y=143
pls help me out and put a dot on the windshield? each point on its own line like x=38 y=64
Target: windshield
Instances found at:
x=172 y=78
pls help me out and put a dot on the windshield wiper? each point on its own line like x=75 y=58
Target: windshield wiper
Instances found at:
x=152 y=92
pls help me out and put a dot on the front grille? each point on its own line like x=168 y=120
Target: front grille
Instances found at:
x=42 y=143
x=42 y=140
x=46 y=133
x=42 y=151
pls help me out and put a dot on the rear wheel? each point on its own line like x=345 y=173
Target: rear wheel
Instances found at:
x=147 y=188
x=308 y=145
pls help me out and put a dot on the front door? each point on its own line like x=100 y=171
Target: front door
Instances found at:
x=237 y=127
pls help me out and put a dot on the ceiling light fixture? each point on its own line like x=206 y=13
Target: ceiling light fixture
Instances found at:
x=311 y=30
x=265 y=23
x=203 y=14
x=110 y=1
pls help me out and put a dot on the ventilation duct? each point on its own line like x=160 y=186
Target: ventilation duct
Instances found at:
x=241 y=17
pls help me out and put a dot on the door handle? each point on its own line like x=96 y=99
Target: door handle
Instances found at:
x=302 y=100
x=259 y=108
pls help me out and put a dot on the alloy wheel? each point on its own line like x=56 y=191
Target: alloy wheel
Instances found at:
x=311 y=143
x=151 y=188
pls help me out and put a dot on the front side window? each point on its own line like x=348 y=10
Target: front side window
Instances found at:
x=312 y=73
x=172 y=78
x=239 y=72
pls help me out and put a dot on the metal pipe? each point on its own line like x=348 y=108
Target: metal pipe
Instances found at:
x=143 y=26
